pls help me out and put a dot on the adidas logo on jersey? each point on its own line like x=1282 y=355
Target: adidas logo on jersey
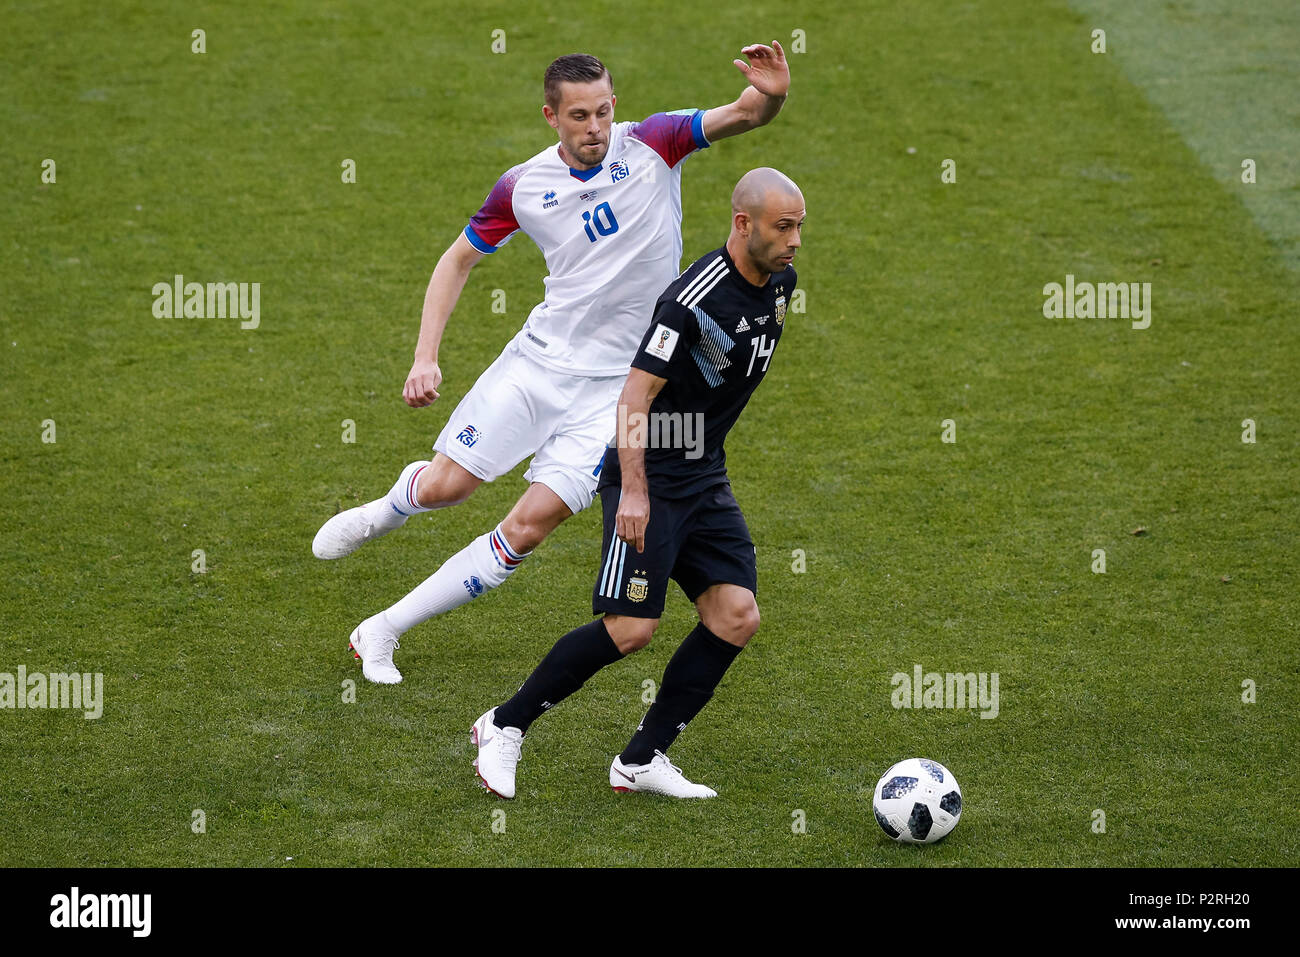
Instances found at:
x=744 y=326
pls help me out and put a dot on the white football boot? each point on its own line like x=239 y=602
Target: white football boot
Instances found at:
x=373 y=642
x=347 y=531
x=660 y=776
x=498 y=754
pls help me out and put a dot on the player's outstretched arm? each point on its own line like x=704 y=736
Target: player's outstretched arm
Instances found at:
x=769 y=82
x=634 y=402
x=445 y=286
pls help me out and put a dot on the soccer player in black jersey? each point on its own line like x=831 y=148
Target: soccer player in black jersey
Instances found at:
x=668 y=507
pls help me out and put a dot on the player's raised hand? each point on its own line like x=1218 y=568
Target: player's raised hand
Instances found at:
x=766 y=70
x=632 y=517
x=422 y=383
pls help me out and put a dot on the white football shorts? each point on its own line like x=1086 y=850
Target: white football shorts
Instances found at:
x=520 y=407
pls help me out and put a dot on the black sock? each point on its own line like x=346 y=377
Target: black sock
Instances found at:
x=689 y=680
x=567 y=666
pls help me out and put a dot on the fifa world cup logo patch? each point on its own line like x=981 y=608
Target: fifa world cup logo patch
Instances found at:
x=637 y=588
x=662 y=343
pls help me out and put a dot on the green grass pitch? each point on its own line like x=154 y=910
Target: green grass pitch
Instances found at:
x=224 y=690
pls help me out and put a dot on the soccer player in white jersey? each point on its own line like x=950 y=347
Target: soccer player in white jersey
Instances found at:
x=605 y=208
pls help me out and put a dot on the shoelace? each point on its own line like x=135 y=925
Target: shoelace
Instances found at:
x=512 y=748
x=671 y=767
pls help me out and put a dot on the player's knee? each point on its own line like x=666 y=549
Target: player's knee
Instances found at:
x=736 y=623
x=573 y=489
x=637 y=640
x=538 y=513
x=630 y=634
x=523 y=533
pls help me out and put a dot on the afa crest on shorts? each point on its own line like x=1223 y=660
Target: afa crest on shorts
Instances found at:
x=637 y=588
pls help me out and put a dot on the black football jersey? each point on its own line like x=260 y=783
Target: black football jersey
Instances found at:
x=712 y=337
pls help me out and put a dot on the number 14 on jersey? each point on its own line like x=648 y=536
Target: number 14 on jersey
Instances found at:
x=761 y=348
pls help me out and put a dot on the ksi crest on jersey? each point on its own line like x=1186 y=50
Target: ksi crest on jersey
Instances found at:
x=618 y=170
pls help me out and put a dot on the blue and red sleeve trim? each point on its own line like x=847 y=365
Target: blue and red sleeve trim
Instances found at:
x=674 y=136
x=495 y=221
x=478 y=242
x=697 y=130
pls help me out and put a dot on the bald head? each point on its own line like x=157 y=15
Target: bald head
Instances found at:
x=758 y=188
x=767 y=214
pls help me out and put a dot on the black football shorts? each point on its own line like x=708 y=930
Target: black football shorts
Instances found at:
x=697 y=542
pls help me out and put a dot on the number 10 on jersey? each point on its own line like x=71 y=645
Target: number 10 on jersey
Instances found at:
x=602 y=217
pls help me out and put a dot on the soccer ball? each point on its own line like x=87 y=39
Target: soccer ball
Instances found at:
x=917 y=801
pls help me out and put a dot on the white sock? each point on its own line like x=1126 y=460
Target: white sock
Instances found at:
x=379 y=621
x=399 y=504
x=481 y=565
x=402 y=495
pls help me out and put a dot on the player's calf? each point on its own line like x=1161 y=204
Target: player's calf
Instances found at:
x=692 y=675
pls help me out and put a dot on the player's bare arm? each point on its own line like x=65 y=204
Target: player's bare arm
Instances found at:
x=769 y=82
x=639 y=392
x=444 y=290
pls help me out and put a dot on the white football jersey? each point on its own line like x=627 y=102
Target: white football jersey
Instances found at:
x=612 y=238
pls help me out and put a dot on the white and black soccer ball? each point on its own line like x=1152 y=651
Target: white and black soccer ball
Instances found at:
x=917 y=801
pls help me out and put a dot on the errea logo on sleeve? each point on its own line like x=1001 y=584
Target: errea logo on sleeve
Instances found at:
x=662 y=343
